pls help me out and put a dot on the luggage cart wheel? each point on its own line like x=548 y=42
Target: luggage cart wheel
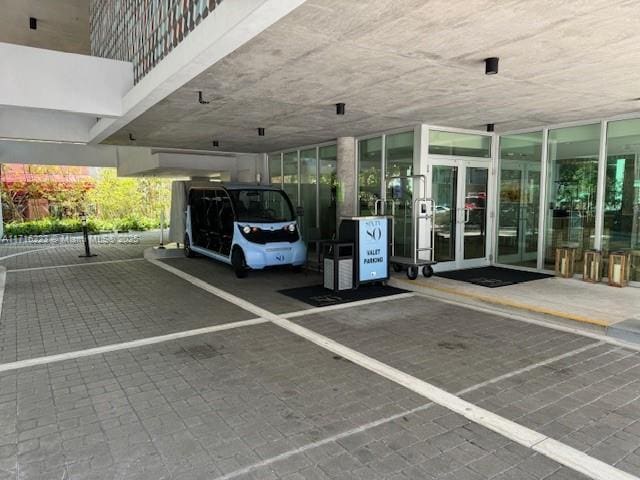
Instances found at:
x=427 y=271
x=396 y=267
x=412 y=272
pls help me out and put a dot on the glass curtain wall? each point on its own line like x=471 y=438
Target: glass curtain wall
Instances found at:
x=308 y=193
x=621 y=223
x=308 y=177
x=369 y=174
x=459 y=144
x=327 y=188
x=519 y=199
x=290 y=176
x=275 y=169
x=572 y=182
x=399 y=163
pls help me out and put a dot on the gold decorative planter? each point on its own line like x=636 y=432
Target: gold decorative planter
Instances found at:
x=565 y=261
x=592 y=271
x=619 y=269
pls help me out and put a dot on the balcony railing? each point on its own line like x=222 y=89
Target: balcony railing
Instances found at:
x=143 y=31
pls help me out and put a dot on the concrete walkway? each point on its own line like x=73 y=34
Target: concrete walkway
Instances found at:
x=591 y=305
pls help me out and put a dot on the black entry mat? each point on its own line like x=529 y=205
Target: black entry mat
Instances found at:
x=318 y=296
x=493 y=277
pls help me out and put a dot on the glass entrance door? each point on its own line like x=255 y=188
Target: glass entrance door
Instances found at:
x=459 y=189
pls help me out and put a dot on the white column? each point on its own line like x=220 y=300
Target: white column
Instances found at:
x=544 y=199
x=346 y=166
x=600 y=191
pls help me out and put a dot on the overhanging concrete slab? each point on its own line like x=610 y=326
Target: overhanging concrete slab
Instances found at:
x=63 y=82
x=229 y=27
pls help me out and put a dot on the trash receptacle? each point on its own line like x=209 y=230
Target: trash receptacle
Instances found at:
x=338 y=265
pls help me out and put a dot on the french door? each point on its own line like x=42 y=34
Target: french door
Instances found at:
x=460 y=188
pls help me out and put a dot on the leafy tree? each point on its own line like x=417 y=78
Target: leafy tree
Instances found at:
x=118 y=197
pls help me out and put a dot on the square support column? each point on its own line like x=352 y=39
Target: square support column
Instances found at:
x=347 y=177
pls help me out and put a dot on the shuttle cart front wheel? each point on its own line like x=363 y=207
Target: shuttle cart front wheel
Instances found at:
x=239 y=263
x=412 y=272
x=396 y=267
x=427 y=271
x=187 y=248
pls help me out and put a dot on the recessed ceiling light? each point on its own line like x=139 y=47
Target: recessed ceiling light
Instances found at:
x=201 y=100
x=491 y=65
x=131 y=137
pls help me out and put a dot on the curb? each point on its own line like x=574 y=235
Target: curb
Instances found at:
x=601 y=323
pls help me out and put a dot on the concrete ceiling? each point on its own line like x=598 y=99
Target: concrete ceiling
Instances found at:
x=403 y=62
x=62 y=24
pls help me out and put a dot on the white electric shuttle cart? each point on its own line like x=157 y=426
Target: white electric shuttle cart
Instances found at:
x=249 y=227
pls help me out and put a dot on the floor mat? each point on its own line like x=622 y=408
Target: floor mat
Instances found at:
x=493 y=277
x=318 y=296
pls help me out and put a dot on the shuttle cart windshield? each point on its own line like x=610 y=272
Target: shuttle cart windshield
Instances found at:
x=261 y=206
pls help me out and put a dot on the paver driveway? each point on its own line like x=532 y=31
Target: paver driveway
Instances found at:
x=264 y=402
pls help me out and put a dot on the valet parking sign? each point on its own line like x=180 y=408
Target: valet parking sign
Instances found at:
x=373 y=249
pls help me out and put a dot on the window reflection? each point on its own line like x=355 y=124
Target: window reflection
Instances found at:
x=572 y=188
x=519 y=200
x=369 y=174
x=622 y=192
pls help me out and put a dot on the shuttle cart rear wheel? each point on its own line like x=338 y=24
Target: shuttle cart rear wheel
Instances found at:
x=239 y=263
x=427 y=271
x=187 y=248
x=396 y=267
x=412 y=272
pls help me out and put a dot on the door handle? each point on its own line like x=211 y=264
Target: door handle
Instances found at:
x=467 y=215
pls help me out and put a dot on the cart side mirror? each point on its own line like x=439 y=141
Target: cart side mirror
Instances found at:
x=299 y=211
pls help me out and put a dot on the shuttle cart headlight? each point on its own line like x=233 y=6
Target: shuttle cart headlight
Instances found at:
x=292 y=227
x=246 y=229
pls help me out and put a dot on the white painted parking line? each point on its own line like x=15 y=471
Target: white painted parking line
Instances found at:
x=527 y=437
x=310 y=446
x=17 y=254
x=533 y=366
x=341 y=306
x=49 y=267
x=127 y=345
x=541 y=323
x=161 y=338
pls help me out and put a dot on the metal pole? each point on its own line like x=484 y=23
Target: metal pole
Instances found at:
x=161 y=246
x=85 y=234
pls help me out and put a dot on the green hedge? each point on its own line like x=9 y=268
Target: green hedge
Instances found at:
x=71 y=225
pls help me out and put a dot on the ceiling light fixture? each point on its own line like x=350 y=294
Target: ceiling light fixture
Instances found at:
x=261 y=132
x=216 y=143
x=201 y=99
x=491 y=127
x=491 y=65
x=33 y=23
x=340 y=108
